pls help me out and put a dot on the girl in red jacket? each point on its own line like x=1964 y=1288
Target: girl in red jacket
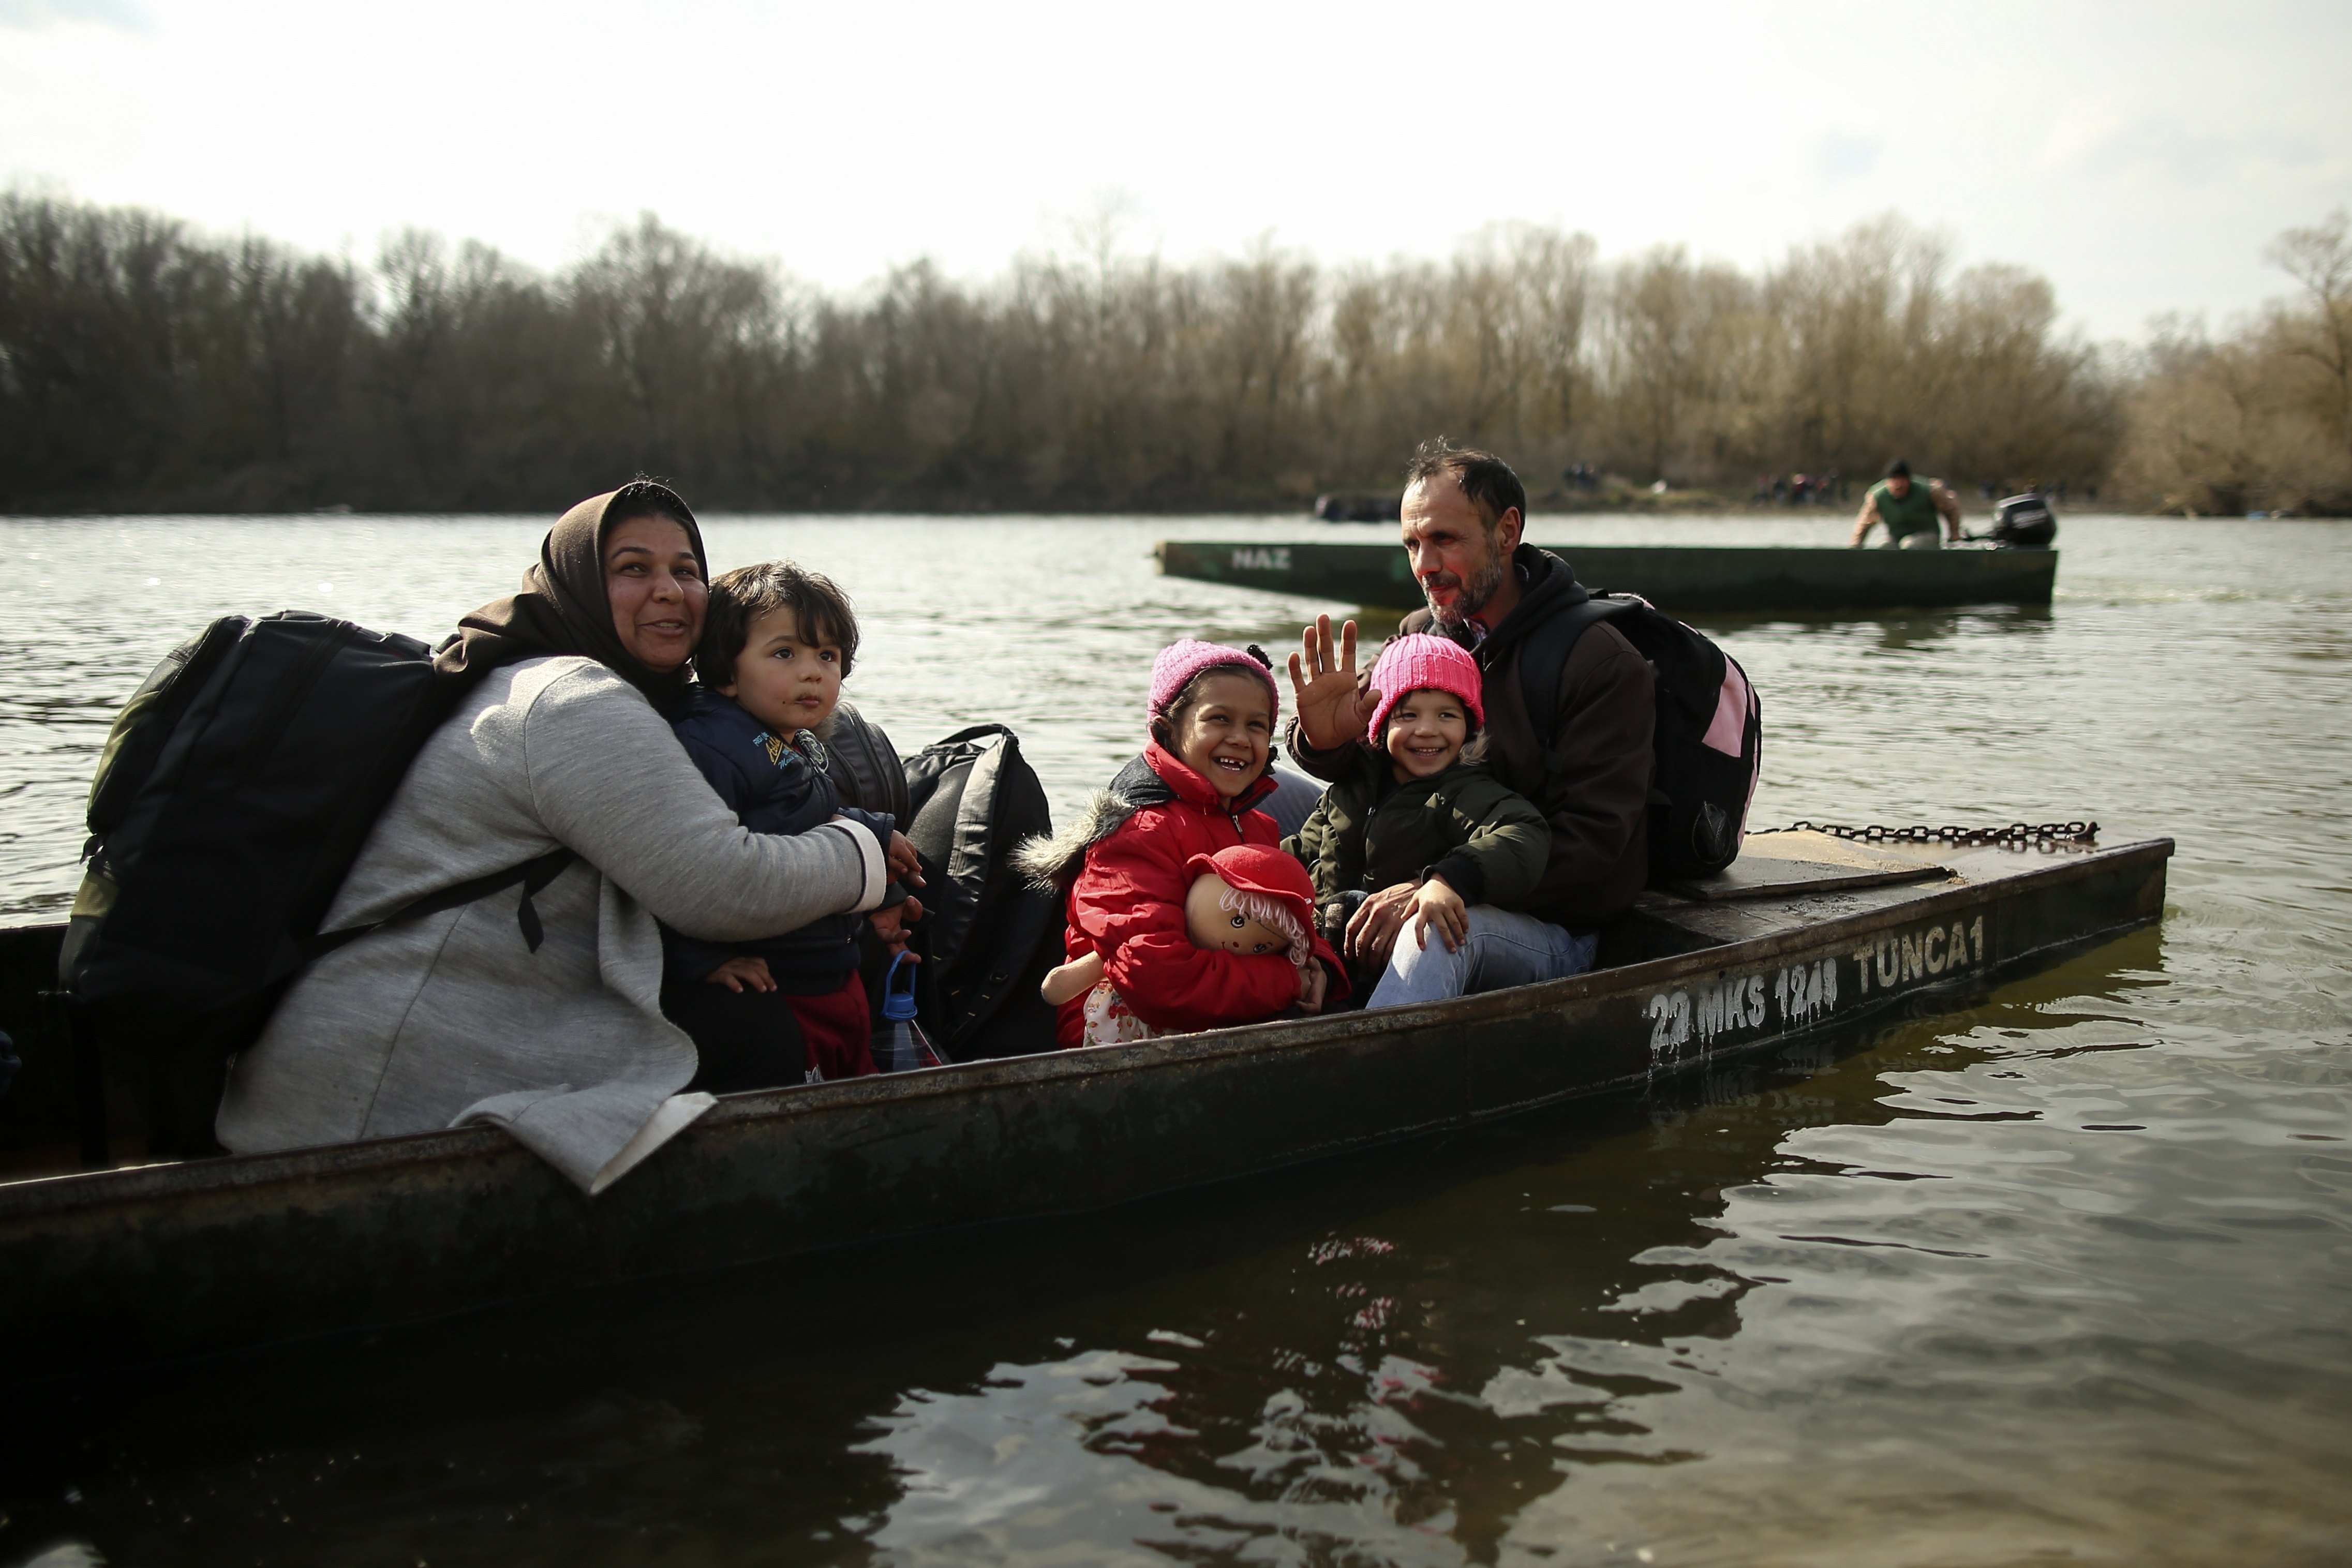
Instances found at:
x=1212 y=716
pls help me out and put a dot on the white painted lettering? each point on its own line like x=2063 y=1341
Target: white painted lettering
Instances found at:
x=1928 y=947
x=1710 y=1010
x=1809 y=991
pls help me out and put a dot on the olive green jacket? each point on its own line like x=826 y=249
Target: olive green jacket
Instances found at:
x=1489 y=844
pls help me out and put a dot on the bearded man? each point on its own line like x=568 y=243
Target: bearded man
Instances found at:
x=1588 y=769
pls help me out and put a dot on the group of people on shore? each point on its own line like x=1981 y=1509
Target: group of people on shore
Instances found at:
x=737 y=834
x=1801 y=489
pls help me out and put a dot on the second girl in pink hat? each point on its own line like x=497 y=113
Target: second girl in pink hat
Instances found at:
x=1420 y=841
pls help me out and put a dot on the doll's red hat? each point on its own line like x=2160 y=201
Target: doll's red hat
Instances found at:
x=1263 y=870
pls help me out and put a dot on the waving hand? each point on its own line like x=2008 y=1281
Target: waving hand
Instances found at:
x=1330 y=709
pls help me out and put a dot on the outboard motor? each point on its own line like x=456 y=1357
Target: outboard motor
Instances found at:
x=2023 y=522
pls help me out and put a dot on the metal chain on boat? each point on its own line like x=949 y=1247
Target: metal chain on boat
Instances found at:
x=2020 y=833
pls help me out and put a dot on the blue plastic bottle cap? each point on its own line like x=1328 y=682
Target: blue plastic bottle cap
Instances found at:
x=898 y=1006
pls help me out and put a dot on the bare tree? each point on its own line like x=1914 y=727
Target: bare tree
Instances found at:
x=142 y=364
x=2320 y=259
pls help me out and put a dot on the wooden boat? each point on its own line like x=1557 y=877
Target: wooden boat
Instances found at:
x=1805 y=933
x=1683 y=579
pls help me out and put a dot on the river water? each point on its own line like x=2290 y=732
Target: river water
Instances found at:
x=2063 y=1276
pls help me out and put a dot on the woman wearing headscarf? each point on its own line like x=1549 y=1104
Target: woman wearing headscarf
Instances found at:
x=537 y=1008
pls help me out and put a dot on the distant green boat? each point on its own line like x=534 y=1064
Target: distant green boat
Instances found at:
x=1679 y=578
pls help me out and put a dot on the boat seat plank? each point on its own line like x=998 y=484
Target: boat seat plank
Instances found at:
x=1806 y=861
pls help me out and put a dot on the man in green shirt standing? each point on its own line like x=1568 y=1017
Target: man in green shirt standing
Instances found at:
x=1909 y=509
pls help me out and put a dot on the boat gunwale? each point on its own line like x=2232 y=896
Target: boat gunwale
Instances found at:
x=72 y=1192
x=1964 y=548
x=1731 y=579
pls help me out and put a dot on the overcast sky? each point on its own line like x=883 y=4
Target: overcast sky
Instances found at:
x=2140 y=155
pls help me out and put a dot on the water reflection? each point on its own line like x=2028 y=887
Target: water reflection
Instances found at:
x=1896 y=629
x=1382 y=1360
x=1528 y=1342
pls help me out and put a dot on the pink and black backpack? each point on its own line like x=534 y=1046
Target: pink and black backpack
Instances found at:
x=1710 y=731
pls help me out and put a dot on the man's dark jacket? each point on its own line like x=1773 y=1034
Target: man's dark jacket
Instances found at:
x=1593 y=784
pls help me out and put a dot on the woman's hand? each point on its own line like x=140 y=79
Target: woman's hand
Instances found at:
x=905 y=864
x=736 y=974
x=1331 y=710
x=1372 y=930
x=891 y=924
x=1435 y=903
x=1313 y=981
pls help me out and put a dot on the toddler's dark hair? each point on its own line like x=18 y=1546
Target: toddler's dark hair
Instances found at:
x=740 y=597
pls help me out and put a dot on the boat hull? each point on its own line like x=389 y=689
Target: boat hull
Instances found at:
x=1683 y=578
x=111 y=1268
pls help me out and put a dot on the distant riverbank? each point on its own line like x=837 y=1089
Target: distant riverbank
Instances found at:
x=150 y=368
x=1663 y=506
x=1617 y=501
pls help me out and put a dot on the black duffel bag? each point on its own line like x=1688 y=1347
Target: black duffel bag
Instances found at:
x=987 y=936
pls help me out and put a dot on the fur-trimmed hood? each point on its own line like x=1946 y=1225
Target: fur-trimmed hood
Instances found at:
x=1051 y=860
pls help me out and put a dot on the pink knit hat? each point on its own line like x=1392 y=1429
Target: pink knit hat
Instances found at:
x=1421 y=662
x=1178 y=662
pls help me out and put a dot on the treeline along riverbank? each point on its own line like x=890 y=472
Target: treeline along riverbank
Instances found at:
x=147 y=367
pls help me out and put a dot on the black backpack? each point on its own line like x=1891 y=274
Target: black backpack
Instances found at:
x=1699 y=796
x=234 y=792
x=984 y=935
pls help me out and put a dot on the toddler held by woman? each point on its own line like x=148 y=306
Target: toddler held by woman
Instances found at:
x=777 y=642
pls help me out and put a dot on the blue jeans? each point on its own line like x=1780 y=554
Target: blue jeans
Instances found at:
x=1501 y=949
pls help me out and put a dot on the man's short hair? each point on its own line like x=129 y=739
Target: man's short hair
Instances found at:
x=1898 y=469
x=738 y=598
x=1485 y=479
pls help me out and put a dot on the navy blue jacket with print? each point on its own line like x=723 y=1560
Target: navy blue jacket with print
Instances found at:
x=772 y=786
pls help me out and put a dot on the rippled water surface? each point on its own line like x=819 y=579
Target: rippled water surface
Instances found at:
x=2063 y=1276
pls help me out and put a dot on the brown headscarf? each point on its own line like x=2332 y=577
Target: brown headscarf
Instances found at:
x=563 y=607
